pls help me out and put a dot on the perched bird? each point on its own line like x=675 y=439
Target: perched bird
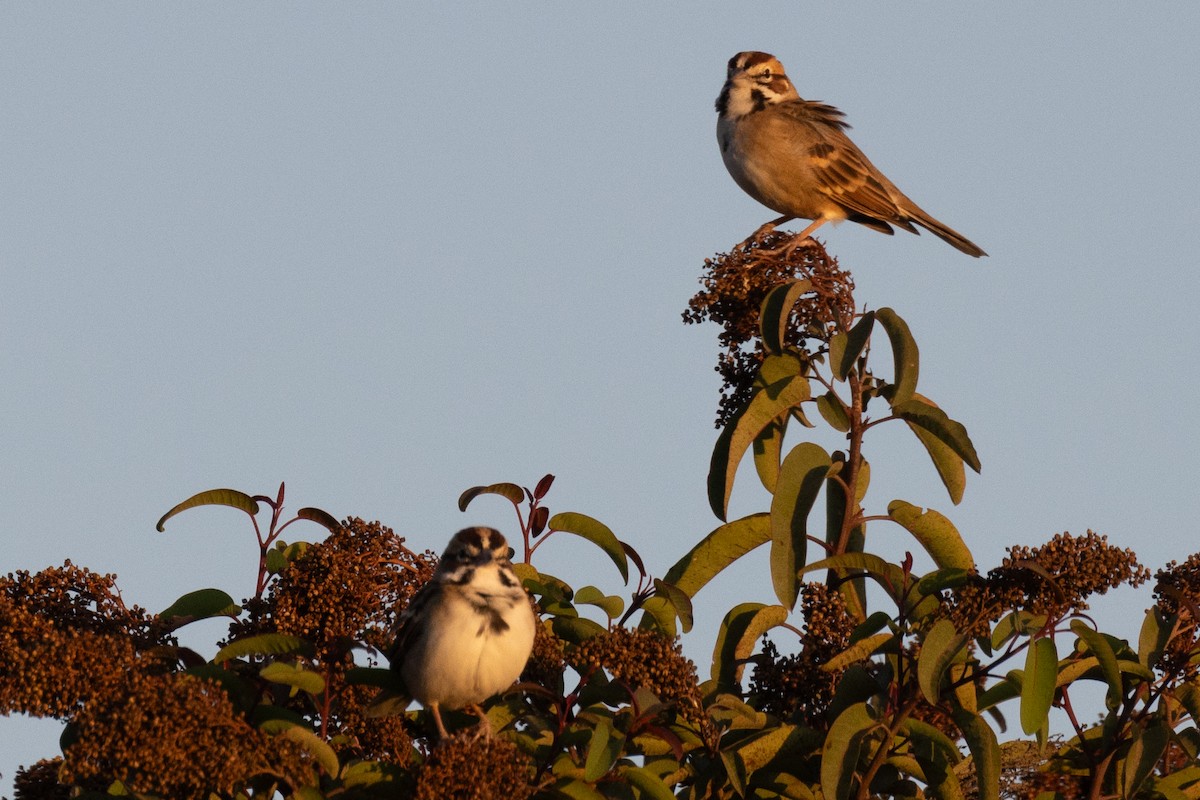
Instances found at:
x=467 y=634
x=793 y=156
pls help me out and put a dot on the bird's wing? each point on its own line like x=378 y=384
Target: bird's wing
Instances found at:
x=408 y=627
x=840 y=169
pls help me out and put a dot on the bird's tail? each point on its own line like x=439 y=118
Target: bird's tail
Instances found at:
x=948 y=235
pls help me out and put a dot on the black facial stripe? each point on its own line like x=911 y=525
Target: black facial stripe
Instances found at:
x=471 y=537
x=759 y=98
x=508 y=579
x=461 y=577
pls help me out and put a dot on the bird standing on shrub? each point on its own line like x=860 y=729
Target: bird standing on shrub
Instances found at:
x=793 y=156
x=467 y=634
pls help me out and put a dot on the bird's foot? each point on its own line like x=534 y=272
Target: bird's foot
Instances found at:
x=483 y=730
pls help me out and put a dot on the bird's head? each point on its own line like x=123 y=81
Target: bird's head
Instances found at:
x=753 y=81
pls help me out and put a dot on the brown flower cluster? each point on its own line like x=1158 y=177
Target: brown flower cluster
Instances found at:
x=646 y=659
x=735 y=285
x=179 y=737
x=40 y=782
x=1177 y=597
x=466 y=767
x=1055 y=579
x=546 y=661
x=795 y=685
x=66 y=637
x=348 y=589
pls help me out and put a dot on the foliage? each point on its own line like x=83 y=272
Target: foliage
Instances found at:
x=873 y=688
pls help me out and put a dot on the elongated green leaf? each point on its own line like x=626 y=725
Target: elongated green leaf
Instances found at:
x=839 y=762
x=265 y=644
x=931 y=747
x=833 y=412
x=322 y=518
x=610 y=604
x=768 y=404
x=851 y=345
x=295 y=676
x=575 y=789
x=1189 y=697
x=371 y=773
x=509 y=491
x=740 y=631
x=1144 y=752
x=575 y=629
x=949 y=464
x=985 y=752
x=935 y=533
x=603 y=750
x=904 y=354
x=718 y=550
x=1037 y=687
x=776 y=309
x=200 y=604
x=647 y=783
x=861 y=649
x=1153 y=638
x=889 y=576
x=938 y=650
x=775 y=744
x=800 y=481
x=595 y=532
x=934 y=420
x=213 y=497
x=309 y=741
x=379 y=677
x=678 y=599
x=767 y=448
x=1102 y=650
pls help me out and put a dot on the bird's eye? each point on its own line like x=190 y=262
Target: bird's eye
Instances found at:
x=766 y=74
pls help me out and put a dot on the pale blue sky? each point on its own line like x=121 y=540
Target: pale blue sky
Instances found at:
x=385 y=254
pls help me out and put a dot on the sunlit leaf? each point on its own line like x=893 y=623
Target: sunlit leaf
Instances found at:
x=839 y=762
x=935 y=533
x=509 y=491
x=766 y=449
x=595 y=532
x=308 y=741
x=1037 y=687
x=1155 y=633
x=576 y=630
x=767 y=405
x=611 y=605
x=265 y=644
x=740 y=631
x=904 y=354
x=200 y=604
x=939 y=648
x=213 y=497
x=800 y=481
x=934 y=420
x=650 y=785
x=949 y=464
x=985 y=753
x=1098 y=646
x=718 y=550
x=1144 y=752
x=861 y=649
x=603 y=750
x=833 y=412
x=678 y=599
x=322 y=518
x=295 y=676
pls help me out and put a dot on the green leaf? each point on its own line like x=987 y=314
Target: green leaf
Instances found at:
x=800 y=480
x=1144 y=752
x=940 y=647
x=595 y=532
x=1153 y=638
x=850 y=346
x=1188 y=696
x=647 y=783
x=767 y=405
x=949 y=464
x=678 y=599
x=509 y=491
x=308 y=741
x=985 y=752
x=603 y=750
x=659 y=615
x=213 y=497
x=1102 y=650
x=740 y=631
x=379 y=677
x=861 y=649
x=295 y=676
x=935 y=533
x=839 y=763
x=1037 y=687
x=767 y=448
x=931 y=745
x=371 y=773
x=904 y=354
x=610 y=604
x=200 y=604
x=934 y=420
x=575 y=629
x=833 y=411
x=322 y=518
x=265 y=644
x=718 y=550
x=575 y=789
x=889 y=576
x=775 y=311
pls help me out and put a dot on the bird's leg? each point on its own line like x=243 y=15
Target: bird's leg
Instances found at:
x=484 y=729
x=801 y=239
x=437 y=718
x=763 y=230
